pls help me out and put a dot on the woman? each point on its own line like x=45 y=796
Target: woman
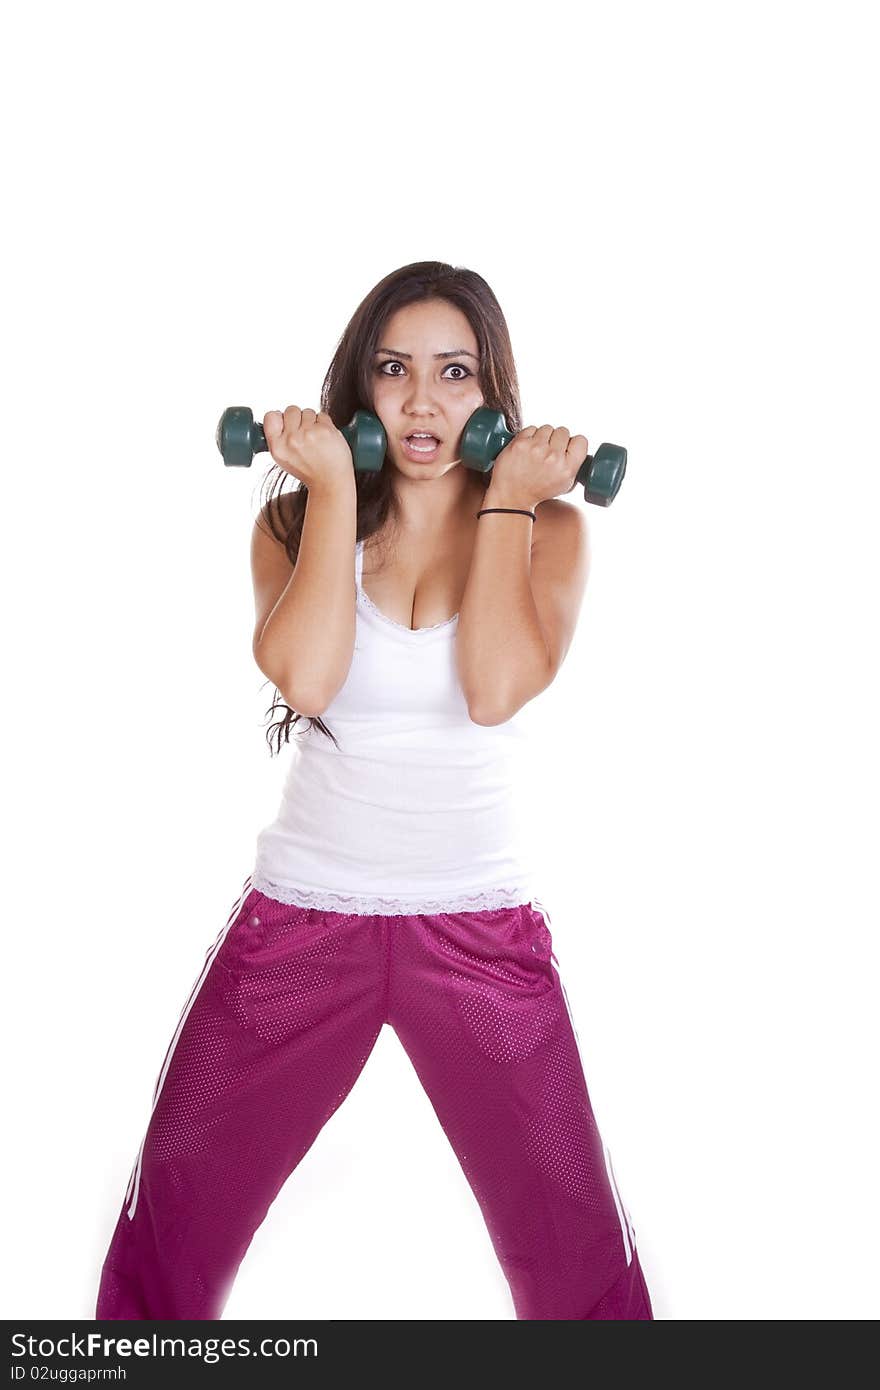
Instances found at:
x=394 y=884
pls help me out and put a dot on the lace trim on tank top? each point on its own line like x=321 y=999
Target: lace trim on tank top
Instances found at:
x=367 y=904
x=368 y=602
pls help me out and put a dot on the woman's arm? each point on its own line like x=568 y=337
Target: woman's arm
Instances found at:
x=520 y=605
x=305 y=614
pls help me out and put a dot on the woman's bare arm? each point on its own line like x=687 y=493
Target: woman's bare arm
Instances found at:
x=305 y=613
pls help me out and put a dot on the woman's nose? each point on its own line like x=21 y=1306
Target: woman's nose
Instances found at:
x=421 y=395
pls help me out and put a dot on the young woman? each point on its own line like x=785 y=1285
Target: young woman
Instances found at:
x=415 y=611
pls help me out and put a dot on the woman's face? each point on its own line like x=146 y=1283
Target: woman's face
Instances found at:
x=426 y=380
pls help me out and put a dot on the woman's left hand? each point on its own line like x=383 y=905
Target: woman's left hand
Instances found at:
x=536 y=465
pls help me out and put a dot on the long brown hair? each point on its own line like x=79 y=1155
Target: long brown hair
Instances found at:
x=348 y=387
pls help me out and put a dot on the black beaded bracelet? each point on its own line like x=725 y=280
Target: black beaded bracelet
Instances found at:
x=519 y=510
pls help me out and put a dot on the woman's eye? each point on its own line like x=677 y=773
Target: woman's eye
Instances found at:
x=453 y=366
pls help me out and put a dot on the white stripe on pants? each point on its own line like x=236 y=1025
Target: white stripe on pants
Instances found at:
x=626 y=1226
x=134 y=1180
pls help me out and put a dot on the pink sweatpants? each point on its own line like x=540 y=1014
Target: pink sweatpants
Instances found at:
x=277 y=1027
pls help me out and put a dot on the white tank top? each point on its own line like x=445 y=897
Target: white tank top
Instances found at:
x=419 y=809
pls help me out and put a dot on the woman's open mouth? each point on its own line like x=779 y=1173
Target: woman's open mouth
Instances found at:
x=421 y=447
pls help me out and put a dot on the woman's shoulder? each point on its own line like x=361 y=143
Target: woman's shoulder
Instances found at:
x=278 y=513
x=558 y=521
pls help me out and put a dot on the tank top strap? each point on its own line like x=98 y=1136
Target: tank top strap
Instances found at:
x=358 y=561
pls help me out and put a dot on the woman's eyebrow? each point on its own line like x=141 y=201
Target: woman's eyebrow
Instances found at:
x=455 y=352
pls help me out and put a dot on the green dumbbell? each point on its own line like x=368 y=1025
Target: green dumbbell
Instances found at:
x=239 y=437
x=485 y=436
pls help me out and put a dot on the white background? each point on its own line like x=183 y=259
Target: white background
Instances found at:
x=673 y=205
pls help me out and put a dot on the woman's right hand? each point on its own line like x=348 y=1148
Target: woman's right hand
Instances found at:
x=308 y=446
